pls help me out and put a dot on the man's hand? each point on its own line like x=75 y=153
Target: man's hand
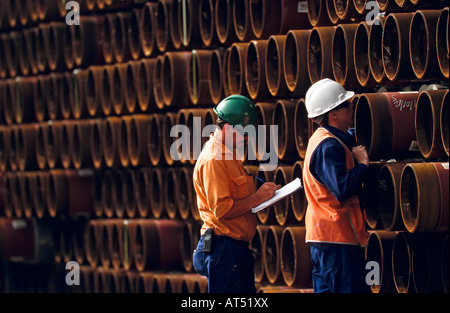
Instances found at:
x=267 y=191
x=360 y=154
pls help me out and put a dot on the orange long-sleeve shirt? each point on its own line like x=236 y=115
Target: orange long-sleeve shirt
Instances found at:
x=219 y=179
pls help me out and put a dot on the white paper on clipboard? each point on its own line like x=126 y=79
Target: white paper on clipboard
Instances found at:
x=280 y=194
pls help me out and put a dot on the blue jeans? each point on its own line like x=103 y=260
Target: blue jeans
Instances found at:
x=229 y=267
x=338 y=268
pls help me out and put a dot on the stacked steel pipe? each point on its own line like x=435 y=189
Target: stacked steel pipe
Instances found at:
x=88 y=150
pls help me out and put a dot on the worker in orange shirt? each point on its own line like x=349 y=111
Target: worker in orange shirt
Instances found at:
x=225 y=196
x=333 y=171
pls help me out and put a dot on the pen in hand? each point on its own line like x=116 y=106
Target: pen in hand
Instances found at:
x=261 y=180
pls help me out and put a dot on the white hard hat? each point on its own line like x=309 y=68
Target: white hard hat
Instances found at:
x=325 y=95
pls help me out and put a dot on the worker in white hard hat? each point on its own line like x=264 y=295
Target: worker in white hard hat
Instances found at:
x=333 y=171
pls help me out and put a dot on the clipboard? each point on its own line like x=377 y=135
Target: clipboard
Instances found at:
x=281 y=193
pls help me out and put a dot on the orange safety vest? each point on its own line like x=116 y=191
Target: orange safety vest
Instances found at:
x=327 y=219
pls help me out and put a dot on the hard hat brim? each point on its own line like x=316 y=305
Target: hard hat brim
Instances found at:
x=348 y=95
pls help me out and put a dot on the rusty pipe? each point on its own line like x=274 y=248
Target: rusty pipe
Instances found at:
x=264 y=116
x=266 y=216
x=283 y=208
x=129 y=191
x=23 y=58
x=53 y=98
x=170 y=192
x=216 y=76
x=396 y=113
x=23 y=109
x=174 y=79
x=142 y=197
x=185 y=192
x=207 y=24
x=395 y=51
x=11 y=52
x=130 y=88
x=110 y=141
x=152 y=244
x=91 y=244
x=107 y=90
x=148 y=27
x=118 y=200
x=283 y=116
x=63 y=190
x=65 y=139
x=401 y=261
x=331 y=11
x=302 y=128
x=41 y=133
x=144 y=85
x=134 y=36
x=342 y=55
x=96 y=142
x=52 y=143
x=158 y=82
x=162 y=25
x=295 y=258
x=25 y=137
x=275 y=65
x=379 y=249
x=295 y=61
x=368 y=197
x=118 y=83
x=236 y=69
x=241 y=20
x=271 y=254
x=121 y=37
x=422 y=204
x=346 y=9
x=255 y=71
x=257 y=246
x=123 y=138
x=442 y=42
x=55 y=53
x=139 y=138
x=79 y=107
x=427 y=125
x=80 y=147
x=225 y=72
x=4 y=147
x=191 y=36
x=176 y=23
x=156 y=193
x=107 y=35
x=276 y=18
x=92 y=87
x=376 y=49
x=361 y=56
x=387 y=193
x=107 y=193
x=154 y=142
x=39 y=96
x=443 y=122
x=188 y=241
x=87 y=41
x=422 y=44
x=198 y=77
x=317 y=13
x=319 y=53
x=360 y=5
x=168 y=122
x=66 y=95
x=223 y=15
x=298 y=198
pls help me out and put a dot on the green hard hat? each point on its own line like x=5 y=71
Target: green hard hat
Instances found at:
x=236 y=110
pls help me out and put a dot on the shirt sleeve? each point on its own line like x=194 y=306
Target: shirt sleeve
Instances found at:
x=216 y=187
x=328 y=167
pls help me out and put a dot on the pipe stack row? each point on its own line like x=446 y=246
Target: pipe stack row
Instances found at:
x=86 y=112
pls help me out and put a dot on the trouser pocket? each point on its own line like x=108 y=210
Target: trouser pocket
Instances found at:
x=198 y=259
